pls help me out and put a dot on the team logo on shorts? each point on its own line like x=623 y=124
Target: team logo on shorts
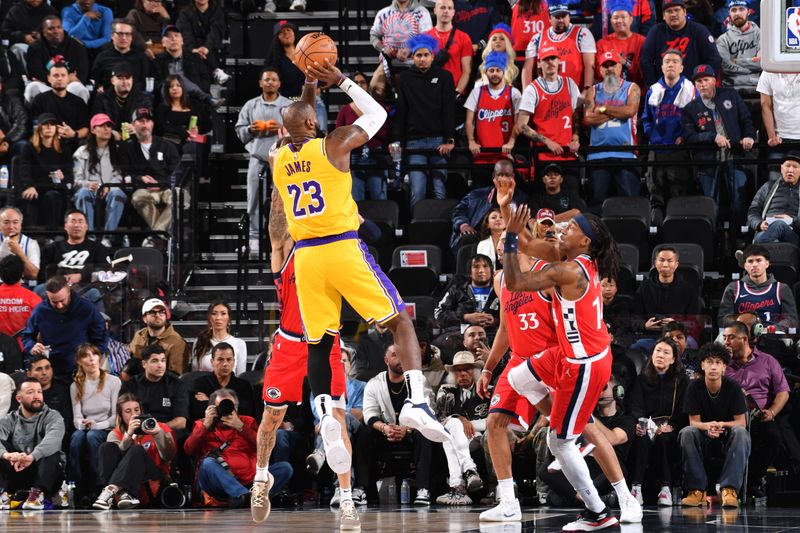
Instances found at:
x=495 y=400
x=273 y=393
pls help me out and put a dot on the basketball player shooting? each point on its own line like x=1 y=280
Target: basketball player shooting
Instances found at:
x=313 y=179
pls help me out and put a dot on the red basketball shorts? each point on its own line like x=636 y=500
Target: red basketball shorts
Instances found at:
x=577 y=390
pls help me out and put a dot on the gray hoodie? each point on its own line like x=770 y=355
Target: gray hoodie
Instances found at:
x=39 y=435
x=738 y=47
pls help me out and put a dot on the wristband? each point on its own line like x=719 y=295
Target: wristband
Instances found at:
x=491 y=373
x=342 y=79
x=511 y=245
x=314 y=82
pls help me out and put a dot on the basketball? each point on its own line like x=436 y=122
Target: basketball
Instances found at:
x=314 y=47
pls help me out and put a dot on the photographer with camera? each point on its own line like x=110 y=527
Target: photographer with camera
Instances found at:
x=223 y=444
x=138 y=451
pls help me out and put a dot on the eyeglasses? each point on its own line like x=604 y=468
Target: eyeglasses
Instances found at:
x=155 y=312
x=123 y=33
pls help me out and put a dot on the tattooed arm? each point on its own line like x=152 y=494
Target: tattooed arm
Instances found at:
x=278 y=229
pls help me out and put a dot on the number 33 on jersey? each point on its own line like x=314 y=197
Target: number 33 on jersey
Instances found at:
x=316 y=195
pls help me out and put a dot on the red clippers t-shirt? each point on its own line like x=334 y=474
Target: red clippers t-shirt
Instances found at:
x=16 y=305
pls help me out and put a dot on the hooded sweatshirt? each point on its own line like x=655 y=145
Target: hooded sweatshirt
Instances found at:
x=737 y=47
x=785 y=297
x=394 y=26
x=39 y=435
x=425 y=105
x=656 y=298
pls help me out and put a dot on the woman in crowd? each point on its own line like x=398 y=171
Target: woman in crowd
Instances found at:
x=280 y=54
x=500 y=40
x=491 y=229
x=132 y=456
x=97 y=164
x=94 y=394
x=528 y=17
x=219 y=319
x=371 y=181
x=658 y=395
x=174 y=114
x=149 y=17
x=44 y=174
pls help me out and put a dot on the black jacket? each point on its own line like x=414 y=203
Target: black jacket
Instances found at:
x=202 y=29
x=109 y=57
x=158 y=166
x=426 y=104
x=106 y=102
x=13 y=118
x=460 y=300
x=23 y=19
x=656 y=298
x=664 y=398
x=208 y=384
x=193 y=68
x=11 y=355
x=368 y=361
x=41 y=52
x=35 y=167
x=698 y=121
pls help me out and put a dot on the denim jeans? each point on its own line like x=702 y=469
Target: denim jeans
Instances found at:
x=778 y=231
x=85 y=200
x=735 y=182
x=418 y=180
x=372 y=181
x=220 y=483
x=694 y=448
x=84 y=443
x=626 y=179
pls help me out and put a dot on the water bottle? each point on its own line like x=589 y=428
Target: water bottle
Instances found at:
x=71 y=494
x=4 y=177
x=391 y=491
x=405 y=492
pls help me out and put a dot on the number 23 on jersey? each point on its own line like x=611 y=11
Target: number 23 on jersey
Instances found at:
x=307 y=199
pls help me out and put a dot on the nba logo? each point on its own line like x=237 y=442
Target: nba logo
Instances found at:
x=793 y=28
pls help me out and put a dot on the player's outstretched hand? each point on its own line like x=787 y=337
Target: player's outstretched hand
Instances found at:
x=519 y=218
x=325 y=72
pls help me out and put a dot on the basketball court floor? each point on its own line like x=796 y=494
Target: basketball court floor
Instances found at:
x=390 y=520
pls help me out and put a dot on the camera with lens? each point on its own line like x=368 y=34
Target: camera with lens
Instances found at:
x=226 y=407
x=149 y=423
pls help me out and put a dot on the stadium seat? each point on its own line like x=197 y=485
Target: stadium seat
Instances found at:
x=628 y=220
x=415 y=269
x=418 y=255
x=386 y=214
x=691 y=259
x=629 y=267
x=432 y=209
x=147 y=262
x=422 y=307
x=462 y=259
x=691 y=219
x=783 y=262
x=431 y=224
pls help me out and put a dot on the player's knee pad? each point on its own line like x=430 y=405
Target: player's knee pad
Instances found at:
x=526 y=384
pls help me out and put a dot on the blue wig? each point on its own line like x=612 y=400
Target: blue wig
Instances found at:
x=496 y=59
x=423 y=41
x=621 y=5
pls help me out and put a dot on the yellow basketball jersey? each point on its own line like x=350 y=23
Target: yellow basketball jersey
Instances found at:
x=316 y=195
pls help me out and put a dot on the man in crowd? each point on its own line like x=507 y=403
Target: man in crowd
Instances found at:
x=177 y=59
x=740 y=49
x=455 y=42
x=623 y=41
x=472 y=302
x=491 y=110
x=220 y=377
x=14 y=242
x=55 y=42
x=691 y=39
x=394 y=25
x=21 y=26
x=70 y=110
x=476 y=342
x=55 y=390
x=773 y=213
x=257 y=127
x=121 y=50
x=122 y=98
x=574 y=45
x=556 y=201
x=383 y=400
x=761 y=377
x=758 y=292
x=661 y=123
x=611 y=111
x=425 y=118
x=152 y=160
x=30 y=448
x=61 y=323
x=463 y=413
x=160 y=393
x=88 y=22
x=158 y=330
x=719 y=118
x=16 y=302
x=716 y=408
x=225 y=436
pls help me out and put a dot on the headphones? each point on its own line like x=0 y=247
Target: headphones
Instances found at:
x=756 y=330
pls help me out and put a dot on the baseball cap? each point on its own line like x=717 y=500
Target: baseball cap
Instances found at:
x=100 y=119
x=552 y=167
x=47 y=118
x=282 y=24
x=672 y=3
x=142 y=112
x=609 y=56
x=122 y=69
x=701 y=71
x=545 y=214
x=791 y=156
x=557 y=8
x=547 y=51
x=168 y=28
x=737 y=3
x=151 y=304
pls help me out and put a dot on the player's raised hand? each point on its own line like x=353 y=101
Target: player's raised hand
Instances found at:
x=325 y=72
x=505 y=190
x=519 y=218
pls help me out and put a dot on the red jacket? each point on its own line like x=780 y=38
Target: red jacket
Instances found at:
x=240 y=454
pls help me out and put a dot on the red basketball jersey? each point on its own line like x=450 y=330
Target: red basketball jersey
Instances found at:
x=580 y=327
x=528 y=317
x=291 y=322
x=494 y=120
x=527 y=24
x=552 y=117
x=567 y=46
